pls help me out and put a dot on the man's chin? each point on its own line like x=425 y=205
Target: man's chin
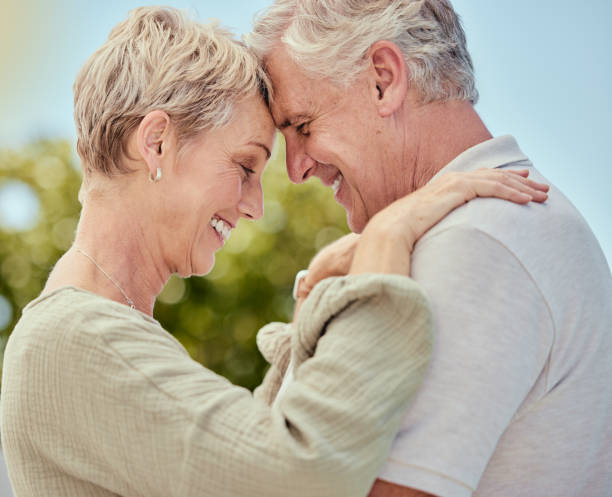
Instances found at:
x=355 y=223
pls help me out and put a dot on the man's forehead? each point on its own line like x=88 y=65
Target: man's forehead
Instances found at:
x=279 y=114
x=289 y=84
x=288 y=106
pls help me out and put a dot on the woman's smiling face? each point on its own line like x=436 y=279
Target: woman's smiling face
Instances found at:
x=216 y=180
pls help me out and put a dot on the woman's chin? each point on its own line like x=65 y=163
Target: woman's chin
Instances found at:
x=203 y=267
x=199 y=266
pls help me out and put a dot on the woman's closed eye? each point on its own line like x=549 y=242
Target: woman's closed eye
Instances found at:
x=248 y=171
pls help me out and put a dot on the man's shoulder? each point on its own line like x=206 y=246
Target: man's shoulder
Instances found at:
x=554 y=228
x=548 y=247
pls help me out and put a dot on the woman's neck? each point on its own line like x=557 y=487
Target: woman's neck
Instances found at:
x=114 y=255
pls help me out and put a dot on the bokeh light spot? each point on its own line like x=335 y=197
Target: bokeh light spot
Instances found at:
x=274 y=218
x=245 y=327
x=63 y=233
x=50 y=172
x=241 y=238
x=16 y=270
x=19 y=206
x=220 y=269
x=173 y=292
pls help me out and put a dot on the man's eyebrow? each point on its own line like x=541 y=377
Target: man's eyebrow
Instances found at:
x=293 y=119
x=257 y=144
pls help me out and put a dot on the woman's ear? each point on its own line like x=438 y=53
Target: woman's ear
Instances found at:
x=154 y=137
x=388 y=77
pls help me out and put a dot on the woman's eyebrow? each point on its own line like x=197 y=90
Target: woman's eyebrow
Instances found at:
x=258 y=144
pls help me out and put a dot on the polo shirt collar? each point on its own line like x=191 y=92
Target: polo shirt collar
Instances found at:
x=490 y=154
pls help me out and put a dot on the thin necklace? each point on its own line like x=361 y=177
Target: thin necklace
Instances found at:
x=128 y=300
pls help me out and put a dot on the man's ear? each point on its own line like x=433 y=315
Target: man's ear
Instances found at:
x=154 y=139
x=388 y=77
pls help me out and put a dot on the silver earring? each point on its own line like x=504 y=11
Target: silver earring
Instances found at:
x=157 y=177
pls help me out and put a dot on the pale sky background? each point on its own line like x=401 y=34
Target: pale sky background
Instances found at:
x=543 y=68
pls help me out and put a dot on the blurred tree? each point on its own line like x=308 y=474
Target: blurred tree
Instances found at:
x=29 y=249
x=215 y=317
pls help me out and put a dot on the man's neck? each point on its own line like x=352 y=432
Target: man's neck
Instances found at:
x=435 y=134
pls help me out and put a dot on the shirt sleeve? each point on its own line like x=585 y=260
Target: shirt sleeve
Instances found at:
x=493 y=335
x=162 y=425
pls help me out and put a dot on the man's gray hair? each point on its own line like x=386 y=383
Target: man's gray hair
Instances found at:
x=331 y=39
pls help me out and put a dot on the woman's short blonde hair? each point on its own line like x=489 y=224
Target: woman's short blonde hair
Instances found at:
x=331 y=39
x=159 y=59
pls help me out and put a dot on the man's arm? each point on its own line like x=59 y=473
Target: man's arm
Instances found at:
x=382 y=488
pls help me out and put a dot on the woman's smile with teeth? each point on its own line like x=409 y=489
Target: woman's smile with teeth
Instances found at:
x=222 y=227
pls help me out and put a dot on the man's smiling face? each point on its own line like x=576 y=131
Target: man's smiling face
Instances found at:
x=336 y=134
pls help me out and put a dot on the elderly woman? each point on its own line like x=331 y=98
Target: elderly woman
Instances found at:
x=99 y=400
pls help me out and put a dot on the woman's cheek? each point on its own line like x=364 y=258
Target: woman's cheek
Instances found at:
x=235 y=193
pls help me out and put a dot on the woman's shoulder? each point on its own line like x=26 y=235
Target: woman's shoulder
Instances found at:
x=73 y=315
x=68 y=306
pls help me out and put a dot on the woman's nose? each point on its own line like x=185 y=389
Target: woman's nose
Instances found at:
x=251 y=203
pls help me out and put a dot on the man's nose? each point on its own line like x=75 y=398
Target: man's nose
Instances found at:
x=299 y=163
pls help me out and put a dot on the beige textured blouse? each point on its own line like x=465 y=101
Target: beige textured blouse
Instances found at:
x=99 y=400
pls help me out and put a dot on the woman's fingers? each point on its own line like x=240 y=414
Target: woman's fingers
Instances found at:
x=503 y=191
x=537 y=191
x=508 y=185
x=333 y=260
x=520 y=172
x=382 y=244
x=533 y=184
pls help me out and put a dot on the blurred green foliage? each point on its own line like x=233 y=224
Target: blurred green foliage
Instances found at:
x=215 y=317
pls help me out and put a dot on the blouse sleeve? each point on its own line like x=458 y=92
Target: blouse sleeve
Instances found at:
x=274 y=344
x=150 y=421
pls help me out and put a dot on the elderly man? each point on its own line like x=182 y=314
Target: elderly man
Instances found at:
x=375 y=97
